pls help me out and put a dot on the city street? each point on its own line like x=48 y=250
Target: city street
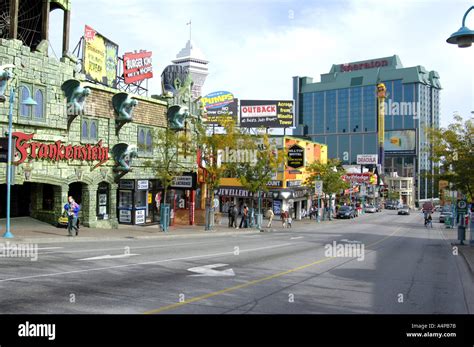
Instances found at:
x=404 y=268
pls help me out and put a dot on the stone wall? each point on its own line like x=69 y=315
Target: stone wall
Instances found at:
x=36 y=69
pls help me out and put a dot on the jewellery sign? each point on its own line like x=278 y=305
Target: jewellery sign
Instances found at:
x=266 y=113
x=58 y=151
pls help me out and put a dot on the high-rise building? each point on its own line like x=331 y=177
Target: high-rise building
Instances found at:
x=341 y=111
x=193 y=58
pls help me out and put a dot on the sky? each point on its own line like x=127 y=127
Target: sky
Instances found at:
x=256 y=47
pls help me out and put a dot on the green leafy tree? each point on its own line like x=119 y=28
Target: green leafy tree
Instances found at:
x=210 y=146
x=453 y=148
x=330 y=174
x=176 y=153
x=265 y=159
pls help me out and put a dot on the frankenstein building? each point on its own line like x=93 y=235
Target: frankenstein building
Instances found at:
x=78 y=137
x=341 y=111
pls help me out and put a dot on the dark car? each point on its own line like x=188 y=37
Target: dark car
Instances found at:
x=345 y=212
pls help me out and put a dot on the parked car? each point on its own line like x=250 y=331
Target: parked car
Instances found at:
x=370 y=209
x=404 y=210
x=446 y=211
x=345 y=212
x=378 y=207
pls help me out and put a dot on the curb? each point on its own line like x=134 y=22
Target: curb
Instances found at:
x=469 y=263
x=63 y=239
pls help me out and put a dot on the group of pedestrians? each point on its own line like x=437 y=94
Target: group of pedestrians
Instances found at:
x=234 y=214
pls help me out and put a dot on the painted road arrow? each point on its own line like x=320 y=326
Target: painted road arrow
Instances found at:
x=208 y=270
x=108 y=256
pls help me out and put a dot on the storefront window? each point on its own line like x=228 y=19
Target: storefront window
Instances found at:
x=103 y=201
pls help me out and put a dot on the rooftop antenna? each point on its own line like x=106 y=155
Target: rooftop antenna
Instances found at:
x=190 y=25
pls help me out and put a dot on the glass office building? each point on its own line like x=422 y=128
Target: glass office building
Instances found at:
x=341 y=111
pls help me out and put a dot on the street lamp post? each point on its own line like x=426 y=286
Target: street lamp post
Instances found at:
x=28 y=102
x=464 y=37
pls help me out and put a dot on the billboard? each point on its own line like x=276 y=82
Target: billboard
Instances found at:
x=295 y=156
x=137 y=67
x=367 y=159
x=400 y=142
x=100 y=58
x=267 y=113
x=221 y=107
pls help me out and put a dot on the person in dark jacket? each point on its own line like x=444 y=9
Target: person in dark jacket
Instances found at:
x=72 y=209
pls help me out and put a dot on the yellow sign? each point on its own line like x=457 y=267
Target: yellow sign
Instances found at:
x=150 y=198
x=100 y=58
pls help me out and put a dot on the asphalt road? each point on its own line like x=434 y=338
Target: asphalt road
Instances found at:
x=404 y=268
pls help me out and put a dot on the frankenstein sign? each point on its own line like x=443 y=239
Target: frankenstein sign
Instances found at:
x=58 y=151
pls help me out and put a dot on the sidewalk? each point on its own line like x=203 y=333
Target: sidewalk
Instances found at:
x=466 y=250
x=27 y=229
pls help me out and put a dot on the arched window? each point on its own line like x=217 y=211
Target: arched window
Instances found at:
x=39 y=108
x=85 y=130
x=93 y=131
x=141 y=139
x=149 y=141
x=24 y=109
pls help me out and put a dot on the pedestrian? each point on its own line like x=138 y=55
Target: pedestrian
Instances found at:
x=283 y=219
x=244 y=220
x=235 y=214
x=230 y=213
x=72 y=209
x=288 y=222
x=270 y=216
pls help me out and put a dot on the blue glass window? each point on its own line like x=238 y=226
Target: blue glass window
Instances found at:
x=398 y=98
x=93 y=130
x=39 y=107
x=149 y=141
x=343 y=111
x=356 y=147
x=85 y=130
x=331 y=111
x=319 y=114
x=331 y=141
x=25 y=94
x=370 y=144
x=344 y=149
x=369 y=111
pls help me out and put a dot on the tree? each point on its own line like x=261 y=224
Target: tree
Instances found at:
x=256 y=173
x=210 y=147
x=330 y=174
x=176 y=151
x=452 y=148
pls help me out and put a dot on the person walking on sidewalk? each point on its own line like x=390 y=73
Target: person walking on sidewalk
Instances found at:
x=72 y=209
x=232 y=216
x=244 y=220
x=270 y=216
x=284 y=216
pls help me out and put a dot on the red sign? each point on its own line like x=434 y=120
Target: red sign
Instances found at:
x=137 y=66
x=89 y=34
x=357 y=178
x=365 y=65
x=58 y=151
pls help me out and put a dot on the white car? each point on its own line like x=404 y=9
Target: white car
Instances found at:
x=370 y=209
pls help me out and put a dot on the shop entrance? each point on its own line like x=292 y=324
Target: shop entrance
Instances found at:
x=20 y=202
x=75 y=190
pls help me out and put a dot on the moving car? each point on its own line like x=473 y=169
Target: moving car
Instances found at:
x=345 y=212
x=404 y=210
x=370 y=209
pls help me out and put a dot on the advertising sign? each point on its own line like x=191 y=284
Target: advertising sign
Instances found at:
x=400 y=142
x=125 y=216
x=100 y=58
x=295 y=156
x=266 y=113
x=277 y=207
x=182 y=182
x=357 y=178
x=367 y=159
x=275 y=183
x=137 y=66
x=290 y=184
x=318 y=187
x=140 y=217
x=142 y=184
x=221 y=107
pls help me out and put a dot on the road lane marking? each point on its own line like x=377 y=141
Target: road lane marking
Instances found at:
x=44 y=248
x=108 y=256
x=209 y=270
x=144 y=263
x=254 y=282
x=296 y=238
